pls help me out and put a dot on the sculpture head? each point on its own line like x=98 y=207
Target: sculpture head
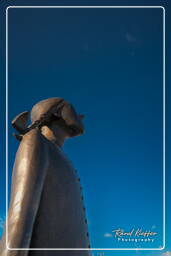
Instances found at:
x=50 y=113
x=57 y=111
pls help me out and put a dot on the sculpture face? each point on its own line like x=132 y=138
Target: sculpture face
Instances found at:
x=71 y=121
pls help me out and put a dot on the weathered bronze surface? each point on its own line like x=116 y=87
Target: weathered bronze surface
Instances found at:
x=46 y=207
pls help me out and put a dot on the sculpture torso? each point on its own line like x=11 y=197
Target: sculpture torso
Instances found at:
x=46 y=208
x=61 y=215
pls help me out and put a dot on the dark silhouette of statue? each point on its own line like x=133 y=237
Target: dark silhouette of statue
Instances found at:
x=46 y=207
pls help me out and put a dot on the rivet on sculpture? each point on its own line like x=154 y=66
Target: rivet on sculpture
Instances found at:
x=46 y=207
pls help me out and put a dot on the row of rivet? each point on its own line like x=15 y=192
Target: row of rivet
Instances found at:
x=82 y=198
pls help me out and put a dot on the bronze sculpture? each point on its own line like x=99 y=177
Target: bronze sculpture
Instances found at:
x=46 y=207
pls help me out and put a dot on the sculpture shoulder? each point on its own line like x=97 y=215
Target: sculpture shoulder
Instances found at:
x=33 y=144
x=34 y=137
x=33 y=151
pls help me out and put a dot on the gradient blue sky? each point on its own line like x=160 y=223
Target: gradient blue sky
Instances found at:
x=108 y=63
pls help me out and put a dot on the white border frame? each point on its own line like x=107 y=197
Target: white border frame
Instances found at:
x=164 y=103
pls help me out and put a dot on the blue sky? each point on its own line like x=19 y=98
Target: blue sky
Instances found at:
x=108 y=63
